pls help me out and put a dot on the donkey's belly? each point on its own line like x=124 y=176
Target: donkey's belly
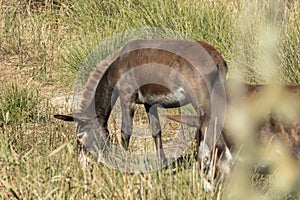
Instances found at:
x=162 y=96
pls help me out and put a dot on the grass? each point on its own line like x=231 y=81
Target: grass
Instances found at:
x=43 y=44
x=19 y=105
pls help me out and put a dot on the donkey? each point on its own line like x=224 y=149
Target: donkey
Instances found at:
x=274 y=123
x=170 y=73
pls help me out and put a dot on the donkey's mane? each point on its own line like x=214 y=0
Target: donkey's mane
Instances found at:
x=90 y=87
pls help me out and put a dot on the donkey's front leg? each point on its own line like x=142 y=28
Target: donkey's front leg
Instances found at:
x=156 y=131
x=127 y=118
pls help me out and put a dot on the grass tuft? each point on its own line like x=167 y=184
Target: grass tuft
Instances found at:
x=19 y=104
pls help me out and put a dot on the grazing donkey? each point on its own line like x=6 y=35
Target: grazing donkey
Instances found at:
x=274 y=123
x=170 y=73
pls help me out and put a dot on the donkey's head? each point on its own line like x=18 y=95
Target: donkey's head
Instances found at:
x=92 y=136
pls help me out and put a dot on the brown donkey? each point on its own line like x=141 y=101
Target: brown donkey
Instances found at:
x=170 y=73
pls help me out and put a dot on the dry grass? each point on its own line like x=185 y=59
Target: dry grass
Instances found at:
x=43 y=44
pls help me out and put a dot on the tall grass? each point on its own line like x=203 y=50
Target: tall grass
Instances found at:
x=217 y=22
x=19 y=105
x=95 y=21
x=258 y=23
x=32 y=35
x=48 y=41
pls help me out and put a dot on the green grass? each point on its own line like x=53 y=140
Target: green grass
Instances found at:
x=19 y=105
x=43 y=44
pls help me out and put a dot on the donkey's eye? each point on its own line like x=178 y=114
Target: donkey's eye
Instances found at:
x=205 y=159
x=79 y=127
x=79 y=135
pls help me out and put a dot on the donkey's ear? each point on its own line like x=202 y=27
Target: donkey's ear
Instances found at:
x=68 y=118
x=190 y=120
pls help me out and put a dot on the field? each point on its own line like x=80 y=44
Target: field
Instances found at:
x=43 y=44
